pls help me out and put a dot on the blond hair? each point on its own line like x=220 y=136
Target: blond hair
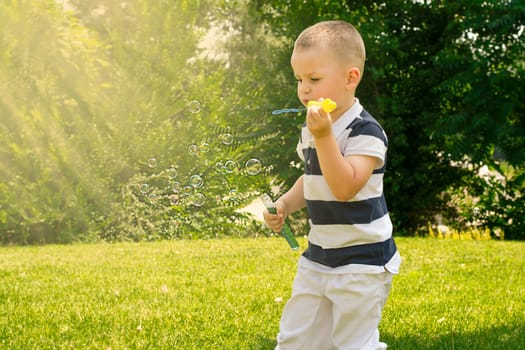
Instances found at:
x=339 y=36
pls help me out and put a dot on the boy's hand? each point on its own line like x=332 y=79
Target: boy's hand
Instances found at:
x=275 y=221
x=318 y=122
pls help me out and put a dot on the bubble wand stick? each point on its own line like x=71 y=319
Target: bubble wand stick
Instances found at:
x=286 y=232
x=327 y=105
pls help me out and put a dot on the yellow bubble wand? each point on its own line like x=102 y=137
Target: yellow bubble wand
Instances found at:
x=327 y=104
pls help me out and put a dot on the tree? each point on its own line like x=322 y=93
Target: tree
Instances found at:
x=444 y=79
x=107 y=108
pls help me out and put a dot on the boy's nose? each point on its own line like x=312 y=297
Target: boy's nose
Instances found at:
x=305 y=89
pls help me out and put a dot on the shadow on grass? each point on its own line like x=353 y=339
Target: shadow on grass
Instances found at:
x=507 y=337
x=264 y=343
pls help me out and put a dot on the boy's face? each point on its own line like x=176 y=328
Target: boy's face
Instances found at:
x=320 y=74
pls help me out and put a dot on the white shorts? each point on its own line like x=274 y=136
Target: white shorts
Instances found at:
x=334 y=311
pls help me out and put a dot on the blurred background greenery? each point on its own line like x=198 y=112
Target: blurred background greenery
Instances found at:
x=146 y=120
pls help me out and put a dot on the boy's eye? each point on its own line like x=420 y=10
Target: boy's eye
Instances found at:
x=310 y=79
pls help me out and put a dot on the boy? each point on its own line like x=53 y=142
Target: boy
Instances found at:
x=344 y=276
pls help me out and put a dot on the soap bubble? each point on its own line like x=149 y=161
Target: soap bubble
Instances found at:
x=187 y=190
x=193 y=150
x=175 y=187
x=196 y=181
x=219 y=167
x=152 y=162
x=172 y=173
x=194 y=106
x=198 y=199
x=253 y=166
x=232 y=195
x=144 y=188
x=226 y=139
x=205 y=147
x=152 y=198
x=230 y=166
x=174 y=199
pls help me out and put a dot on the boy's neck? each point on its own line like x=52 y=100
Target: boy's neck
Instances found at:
x=343 y=109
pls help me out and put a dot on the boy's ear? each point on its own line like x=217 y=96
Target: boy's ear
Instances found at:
x=353 y=77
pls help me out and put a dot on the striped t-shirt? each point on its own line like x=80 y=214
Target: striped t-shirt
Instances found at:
x=358 y=231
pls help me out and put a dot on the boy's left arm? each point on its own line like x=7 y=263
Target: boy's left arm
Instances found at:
x=345 y=176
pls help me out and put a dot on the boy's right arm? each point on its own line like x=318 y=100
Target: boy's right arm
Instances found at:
x=290 y=202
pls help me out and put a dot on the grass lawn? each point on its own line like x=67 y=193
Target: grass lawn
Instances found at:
x=229 y=294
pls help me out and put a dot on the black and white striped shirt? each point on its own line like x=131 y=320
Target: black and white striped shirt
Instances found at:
x=358 y=231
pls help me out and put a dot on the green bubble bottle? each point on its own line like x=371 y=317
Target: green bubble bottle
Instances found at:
x=286 y=232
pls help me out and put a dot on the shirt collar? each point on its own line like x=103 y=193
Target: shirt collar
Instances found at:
x=339 y=126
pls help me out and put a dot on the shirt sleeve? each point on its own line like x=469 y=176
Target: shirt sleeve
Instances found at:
x=368 y=139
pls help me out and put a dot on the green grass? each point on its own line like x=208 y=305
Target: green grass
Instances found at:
x=224 y=294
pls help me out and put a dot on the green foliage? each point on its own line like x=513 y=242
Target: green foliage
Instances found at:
x=445 y=81
x=46 y=103
x=93 y=90
x=490 y=200
x=216 y=294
